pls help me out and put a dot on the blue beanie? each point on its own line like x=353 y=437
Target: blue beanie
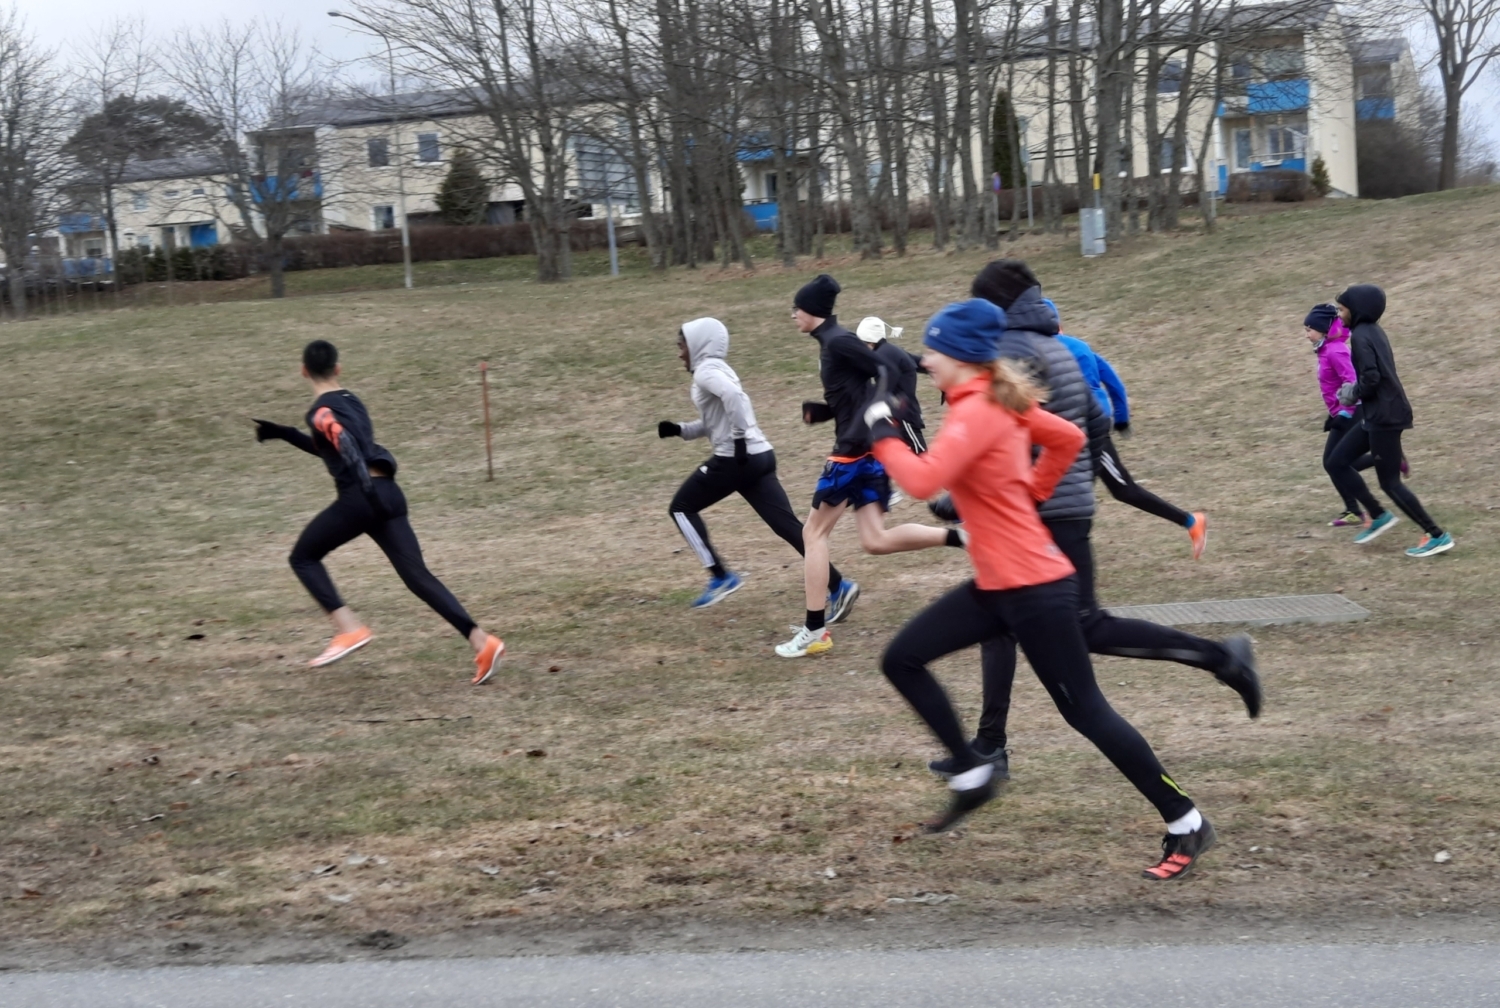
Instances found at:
x=967 y=330
x=1321 y=318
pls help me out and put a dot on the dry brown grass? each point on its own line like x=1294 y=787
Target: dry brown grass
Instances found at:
x=152 y=783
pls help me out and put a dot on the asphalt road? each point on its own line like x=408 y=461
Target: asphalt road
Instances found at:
x=1201 y=976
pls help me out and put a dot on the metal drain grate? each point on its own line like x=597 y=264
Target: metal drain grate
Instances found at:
x=1253 y=611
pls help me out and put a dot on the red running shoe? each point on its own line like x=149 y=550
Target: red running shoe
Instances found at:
x=1180 y=851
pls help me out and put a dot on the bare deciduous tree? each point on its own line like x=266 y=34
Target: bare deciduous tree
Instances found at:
x=34 y=121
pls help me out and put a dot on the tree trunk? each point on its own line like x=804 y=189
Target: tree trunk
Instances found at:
x=1112 y=73
x=275 y=265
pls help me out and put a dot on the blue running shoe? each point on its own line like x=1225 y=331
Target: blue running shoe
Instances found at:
x=1430 y=545
x=1373 y=530
x=718 y=589
x=841 y=601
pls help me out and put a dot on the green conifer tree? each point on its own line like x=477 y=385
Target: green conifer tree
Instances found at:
x=465 y=193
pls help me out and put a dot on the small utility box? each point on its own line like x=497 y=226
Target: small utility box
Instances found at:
x=1091 y=228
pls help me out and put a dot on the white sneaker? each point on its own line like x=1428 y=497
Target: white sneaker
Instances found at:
x=896 y=498
x=806 y=642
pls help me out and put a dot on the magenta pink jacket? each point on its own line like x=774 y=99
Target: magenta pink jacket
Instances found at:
x=1334 y=366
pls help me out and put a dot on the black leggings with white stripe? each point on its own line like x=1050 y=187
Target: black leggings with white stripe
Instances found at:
x=1109 y=468
x=755 y=481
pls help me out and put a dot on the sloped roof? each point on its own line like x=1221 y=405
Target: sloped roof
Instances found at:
x=1386 y=50
x=188 y=166
x=359 y=110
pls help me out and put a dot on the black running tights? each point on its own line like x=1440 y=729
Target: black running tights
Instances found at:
x=1109 y=468
x=1385 y=446
x=755 y=481
x=1337 y=428
x=1044 y=619
x=384 y=520
x=1103 y=633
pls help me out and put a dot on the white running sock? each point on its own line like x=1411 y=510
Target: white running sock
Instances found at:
x=970 y=779
x=1187 y=824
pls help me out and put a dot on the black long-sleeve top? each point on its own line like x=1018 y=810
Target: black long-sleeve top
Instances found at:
x=344 y=438
x=848 y=368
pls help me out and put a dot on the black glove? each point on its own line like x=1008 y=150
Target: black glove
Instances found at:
x=741 y=453
x=942 y=508
x=265 y=430
x=1123 y=429
x=816 y=412
x=667 y=429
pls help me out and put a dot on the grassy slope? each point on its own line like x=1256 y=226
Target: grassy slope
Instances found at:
x=685 y=766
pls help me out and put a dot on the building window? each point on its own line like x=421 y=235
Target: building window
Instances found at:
x=1170 y=81
x=1282 y=63
x=1242 y=149
x=1283 y=141
x=385 y=217
x=143 y=241
x=770 y=185
x=172 y=193
x=427 y=147
x=140 y=202
x=198 y=191
x=379 y=151
x=94 y=249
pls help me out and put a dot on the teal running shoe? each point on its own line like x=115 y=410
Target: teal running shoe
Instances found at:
x=1430 y=545
x=1377 y=526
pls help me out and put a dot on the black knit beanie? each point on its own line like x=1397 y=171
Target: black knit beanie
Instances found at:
x=1321 y=318
x=816 y=297
x=1004 y=280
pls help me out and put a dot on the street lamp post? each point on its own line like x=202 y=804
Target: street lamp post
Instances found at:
x=390 y=58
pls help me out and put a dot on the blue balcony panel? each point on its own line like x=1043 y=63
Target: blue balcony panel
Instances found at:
x=1375 y=108
x=765 y=214
x=1276 y=96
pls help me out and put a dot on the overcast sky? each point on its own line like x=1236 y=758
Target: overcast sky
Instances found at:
x=58 y=22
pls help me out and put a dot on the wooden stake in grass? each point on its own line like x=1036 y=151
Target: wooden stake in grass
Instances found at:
x=484 y=387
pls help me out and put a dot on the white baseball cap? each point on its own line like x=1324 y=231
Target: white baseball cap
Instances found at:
x=873 y=330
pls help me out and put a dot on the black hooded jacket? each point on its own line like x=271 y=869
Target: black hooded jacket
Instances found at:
x=1031 y=340
x=1384 y=403
x=848 y=368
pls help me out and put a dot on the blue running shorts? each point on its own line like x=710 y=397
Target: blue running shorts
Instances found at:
x=856 y=483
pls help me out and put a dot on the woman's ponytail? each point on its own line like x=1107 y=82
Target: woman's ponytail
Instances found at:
x=1013 y=388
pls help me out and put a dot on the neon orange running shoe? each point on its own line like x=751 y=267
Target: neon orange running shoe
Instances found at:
x=1198 y=533
x=341 y=645
x=487 y=660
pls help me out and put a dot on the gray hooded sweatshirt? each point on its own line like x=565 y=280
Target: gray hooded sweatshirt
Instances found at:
x=724 y=409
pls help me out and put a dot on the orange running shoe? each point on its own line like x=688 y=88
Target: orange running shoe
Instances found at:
x=1198 y=533
x=487 y=660
x=341 y=645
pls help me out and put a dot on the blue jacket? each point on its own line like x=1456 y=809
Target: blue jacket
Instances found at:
x=1103 y=382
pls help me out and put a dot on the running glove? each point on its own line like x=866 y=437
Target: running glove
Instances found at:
x=741 y=452
x=883 y=410
x=1123 y=429
x=816 y=412
x=265 y=430
x=667 y=429
x=942 y=508
x=1346 y=394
